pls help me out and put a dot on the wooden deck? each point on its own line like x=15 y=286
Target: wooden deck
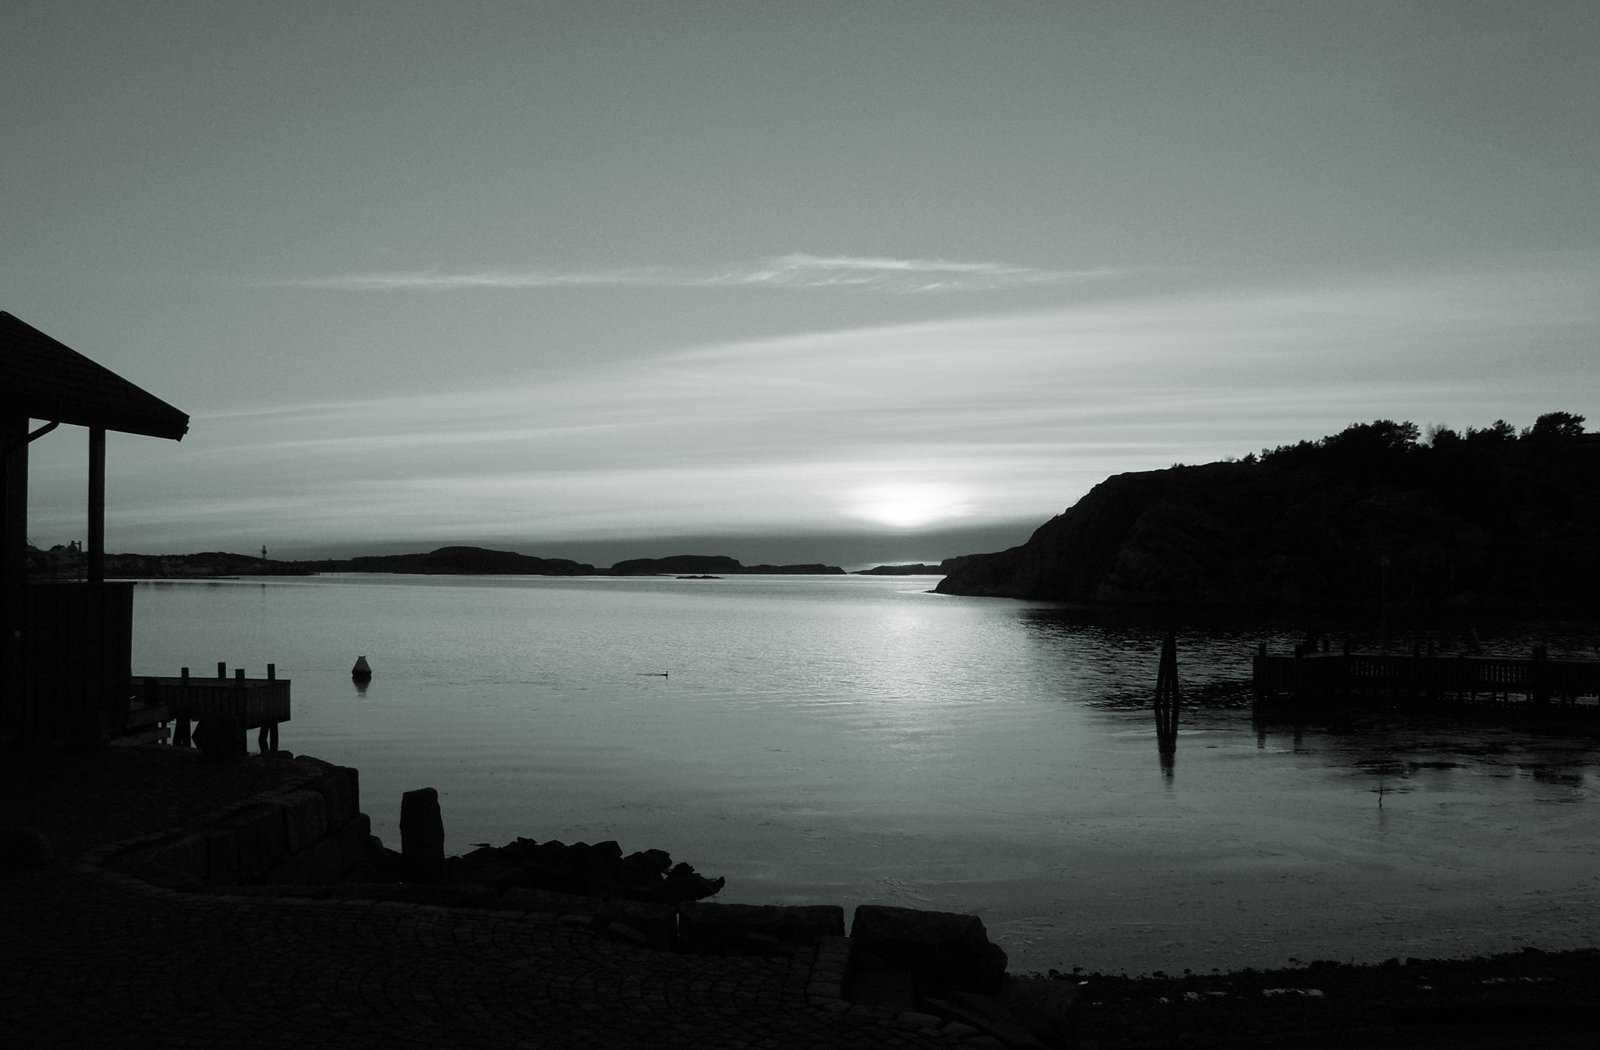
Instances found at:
x=226 y=707
x=1428 y=680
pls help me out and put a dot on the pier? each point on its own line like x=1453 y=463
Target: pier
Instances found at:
x=1425 y=679
x=226 y=708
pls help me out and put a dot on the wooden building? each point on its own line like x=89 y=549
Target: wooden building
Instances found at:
x=65 y=648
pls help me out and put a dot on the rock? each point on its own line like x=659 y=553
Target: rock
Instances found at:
x=581 y=869
x=646 y=865
x=220 y=737
x=488 y=867
x=23 y=848
x=682 y=883
x=941 y=948
x=421 y=835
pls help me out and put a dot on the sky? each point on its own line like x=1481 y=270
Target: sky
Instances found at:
x=845 y=282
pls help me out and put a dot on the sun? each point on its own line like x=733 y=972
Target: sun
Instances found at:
x=906 y=506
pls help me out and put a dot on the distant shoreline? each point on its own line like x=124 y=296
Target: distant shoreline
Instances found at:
x=69 y=564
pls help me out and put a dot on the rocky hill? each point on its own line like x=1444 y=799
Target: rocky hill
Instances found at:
x=464 y=561
x=716 y=564
x=1485 y=518
x=911 y=569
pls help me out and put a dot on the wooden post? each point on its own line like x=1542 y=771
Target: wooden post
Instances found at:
x=236 y=718
x=1168 y=701
x=181 y=727
x=151 y=695
x=97 y=505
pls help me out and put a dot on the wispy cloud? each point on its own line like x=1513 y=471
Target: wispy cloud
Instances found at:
x=798 y=271
x=1000 y=417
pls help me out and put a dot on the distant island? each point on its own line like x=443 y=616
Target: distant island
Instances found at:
x=917 y=569
x=705 y=565
x=1489 y=518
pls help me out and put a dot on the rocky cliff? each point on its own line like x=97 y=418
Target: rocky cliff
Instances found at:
x=1362 y=517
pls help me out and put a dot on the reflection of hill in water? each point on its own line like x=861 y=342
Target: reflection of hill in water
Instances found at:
x=1121 y=645
x=1382 y=751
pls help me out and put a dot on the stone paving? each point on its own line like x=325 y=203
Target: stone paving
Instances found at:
x=92 y=957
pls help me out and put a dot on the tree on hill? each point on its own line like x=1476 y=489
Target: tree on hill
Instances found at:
x=1491 y=519
x=1555 y=426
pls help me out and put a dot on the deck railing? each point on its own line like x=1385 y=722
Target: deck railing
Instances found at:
x=225 y=707
x=1425 y=678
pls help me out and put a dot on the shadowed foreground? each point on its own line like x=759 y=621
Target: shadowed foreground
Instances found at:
x=96 y=958
x=92 y=957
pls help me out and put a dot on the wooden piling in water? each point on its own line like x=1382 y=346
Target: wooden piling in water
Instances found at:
x=1169 y=699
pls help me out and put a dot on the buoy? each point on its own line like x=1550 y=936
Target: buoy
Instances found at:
x=361 y=672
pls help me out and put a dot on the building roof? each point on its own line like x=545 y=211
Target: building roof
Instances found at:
x=49 y=380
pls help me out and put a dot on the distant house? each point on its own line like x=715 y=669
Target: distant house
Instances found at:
x=65 y=648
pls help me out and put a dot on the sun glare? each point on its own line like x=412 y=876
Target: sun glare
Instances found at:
x=908 y=506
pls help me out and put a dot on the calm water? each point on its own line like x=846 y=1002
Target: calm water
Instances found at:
x=855 y=740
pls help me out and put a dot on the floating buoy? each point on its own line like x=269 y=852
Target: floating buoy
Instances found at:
x=361 y=672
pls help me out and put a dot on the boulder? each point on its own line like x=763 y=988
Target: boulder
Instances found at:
x=943 y=949
x=584 y=869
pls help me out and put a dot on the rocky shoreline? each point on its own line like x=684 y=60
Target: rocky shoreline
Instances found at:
x=89 y=805
x=1525 y=998
x=901 y=962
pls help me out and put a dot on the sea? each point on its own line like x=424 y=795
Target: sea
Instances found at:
x=859 y=739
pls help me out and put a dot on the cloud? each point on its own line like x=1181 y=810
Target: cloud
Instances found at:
x=900 y=275
x=1005 y=416
x=797 y=271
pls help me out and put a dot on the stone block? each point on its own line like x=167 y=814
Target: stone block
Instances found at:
x=941 y=948
x=305 y=818
x=421 y=835
x=260 y=838
x=340 y=788
x=355 y=844
x=710 y=928
x=317 y=865
x=189 y=854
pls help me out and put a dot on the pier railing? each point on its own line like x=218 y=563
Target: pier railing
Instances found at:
x=224 y=707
